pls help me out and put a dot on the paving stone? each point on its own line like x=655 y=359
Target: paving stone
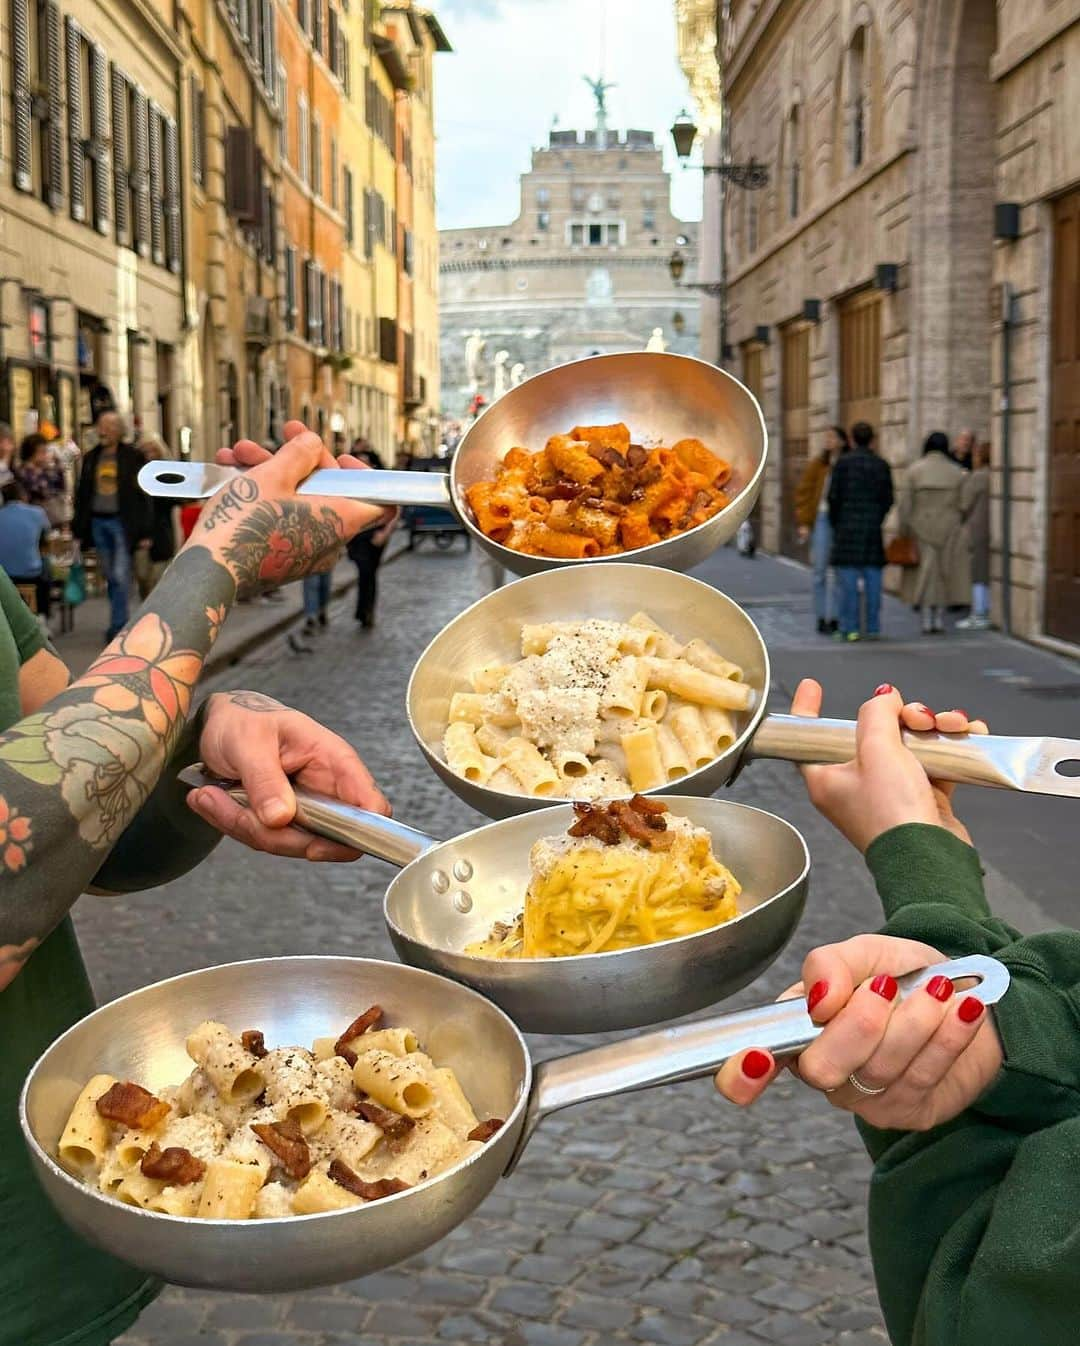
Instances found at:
x=598 y=1224
x=672 y=1330
x=527 y=1300
x=546 y=1270
x=592 y=1311
x=329 y=1315
x=549 y=1334
x=480 y=1261
x=248 y=1311
x=784 y=1295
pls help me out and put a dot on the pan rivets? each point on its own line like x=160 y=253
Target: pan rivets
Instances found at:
x=462 y=871
x=462 y=900
x=440 y=882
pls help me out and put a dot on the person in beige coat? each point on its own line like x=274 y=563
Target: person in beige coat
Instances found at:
x=931 y=512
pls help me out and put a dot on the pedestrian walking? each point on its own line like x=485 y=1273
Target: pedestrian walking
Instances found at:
x=975 y=504
x=316 y=602
x=24 y=531
x=40 y=474
x=150 y=562
x=812 y=519
x=366 y=548
x=112 y=513
x=860 y=496
x=930 y=512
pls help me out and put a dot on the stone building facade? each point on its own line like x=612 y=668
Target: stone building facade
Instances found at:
x=200 y=216
x=582 y=270
x=875 y=279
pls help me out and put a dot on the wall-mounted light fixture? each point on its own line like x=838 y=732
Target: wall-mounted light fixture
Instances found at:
x=811 y=310
x=761 y=334
x=886 y=277
x=1007 y=220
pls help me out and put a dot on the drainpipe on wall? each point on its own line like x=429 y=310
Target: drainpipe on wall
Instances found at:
x=1008 y=318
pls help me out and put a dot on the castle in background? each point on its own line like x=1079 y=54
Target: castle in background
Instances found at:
x=583 y=270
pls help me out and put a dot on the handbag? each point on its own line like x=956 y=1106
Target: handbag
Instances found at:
x=902 y=551
x=75 y=585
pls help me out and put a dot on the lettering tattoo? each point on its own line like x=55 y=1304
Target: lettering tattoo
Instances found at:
x=282 y=540
x=74 y=774
x=230 y=502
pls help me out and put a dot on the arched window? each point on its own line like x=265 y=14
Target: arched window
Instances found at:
x=752 y=223
x=858 y=99
x=793 y=162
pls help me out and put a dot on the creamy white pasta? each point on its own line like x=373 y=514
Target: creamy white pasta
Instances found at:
x=596 y=709
x=360 y=1117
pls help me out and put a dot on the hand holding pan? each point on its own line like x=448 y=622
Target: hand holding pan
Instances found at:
x=141 y=1037
x=490 y=631
x=661 y=396
x=451 y=893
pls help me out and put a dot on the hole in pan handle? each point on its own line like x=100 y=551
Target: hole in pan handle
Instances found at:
x=1029 y=764
x=384 y=838
x=688 y=1051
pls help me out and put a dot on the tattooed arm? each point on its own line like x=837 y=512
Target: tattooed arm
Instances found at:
x=75 y=773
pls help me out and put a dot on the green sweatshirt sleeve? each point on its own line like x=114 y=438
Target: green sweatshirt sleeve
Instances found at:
x=973 y=1225
x=165 y=839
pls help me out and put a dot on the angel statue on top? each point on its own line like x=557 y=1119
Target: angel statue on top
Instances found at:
x=475 y=346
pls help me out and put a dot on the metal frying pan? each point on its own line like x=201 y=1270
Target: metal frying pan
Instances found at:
x=490 y=633
x=661 y=397
x=450 y=893
x=293 y=1000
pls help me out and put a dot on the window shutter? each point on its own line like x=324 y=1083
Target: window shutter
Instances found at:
x=76 y=149
x=302 y=14
x=99 y=136
x=269 y=46
x=346 y=66
x=331 y=38
x=198 y=133
x=317 y=25
x=140 y=176
x=173 y=235
x=290 y=289
x=121 y=143
x=243 y=19
x=157 y=204
x=22 y=122
x=54 y=77
x=347 y=192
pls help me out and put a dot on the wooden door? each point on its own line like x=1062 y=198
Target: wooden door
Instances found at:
x=1062 y=594
x=860 y=360
x=795 y=431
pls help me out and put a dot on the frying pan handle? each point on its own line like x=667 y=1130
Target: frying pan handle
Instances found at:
x=197 y=481
x=688 y=1051
x=325 y=817
x=968 y=759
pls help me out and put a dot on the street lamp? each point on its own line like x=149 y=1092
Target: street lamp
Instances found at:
x=677 y=265
x=751 y=176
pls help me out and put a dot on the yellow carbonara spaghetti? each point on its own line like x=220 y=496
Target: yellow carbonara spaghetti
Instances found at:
x=627 y=873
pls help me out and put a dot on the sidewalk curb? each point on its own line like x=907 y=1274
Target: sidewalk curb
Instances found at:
x=225 y=657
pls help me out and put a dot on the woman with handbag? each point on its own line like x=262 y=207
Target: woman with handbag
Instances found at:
x=931 y=512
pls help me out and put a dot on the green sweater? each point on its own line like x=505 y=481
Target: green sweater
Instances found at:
x=975 y=1225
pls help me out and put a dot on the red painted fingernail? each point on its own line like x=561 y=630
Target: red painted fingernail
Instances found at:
x=884 y=986
x=884 y=689
x=970 y=1009
x=925 y=709
x=818 y=992
x=940 y=988
x=756 y=1064
x=958 y=711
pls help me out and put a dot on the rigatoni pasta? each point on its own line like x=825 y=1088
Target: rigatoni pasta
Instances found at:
x=360 y=1117
x=596 y=709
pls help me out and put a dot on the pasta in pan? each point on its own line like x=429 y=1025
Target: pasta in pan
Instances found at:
x=254 y=1134
x=626 y=874
x=592 y=493
x=596 y=709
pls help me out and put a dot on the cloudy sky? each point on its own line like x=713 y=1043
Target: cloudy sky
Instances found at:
x=516 y=64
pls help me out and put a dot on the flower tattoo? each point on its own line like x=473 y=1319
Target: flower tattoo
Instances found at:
x=142 y=672
x=14 y=837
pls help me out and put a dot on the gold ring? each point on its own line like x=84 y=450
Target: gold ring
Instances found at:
x=864 y=1089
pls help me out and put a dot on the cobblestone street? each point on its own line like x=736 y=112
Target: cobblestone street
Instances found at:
x=664 y=1217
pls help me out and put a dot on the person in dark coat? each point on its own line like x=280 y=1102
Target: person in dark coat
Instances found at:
x=112 y=514
x=366 y=548
x=151 y=562
x=860 y=496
